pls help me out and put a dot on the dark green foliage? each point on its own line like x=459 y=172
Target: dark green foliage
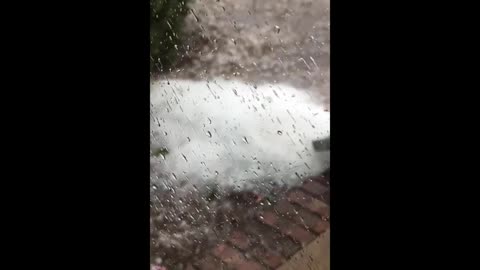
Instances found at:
x=166 y=21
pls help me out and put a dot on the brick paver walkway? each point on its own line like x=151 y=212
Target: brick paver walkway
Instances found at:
x=276 y=232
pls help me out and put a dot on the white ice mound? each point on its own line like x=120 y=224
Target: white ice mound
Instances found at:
x=234 y=134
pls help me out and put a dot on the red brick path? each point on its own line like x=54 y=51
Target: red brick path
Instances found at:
x=276 y=232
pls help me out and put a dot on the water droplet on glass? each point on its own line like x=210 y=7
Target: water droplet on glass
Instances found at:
x=277 y=29
x=194 y=15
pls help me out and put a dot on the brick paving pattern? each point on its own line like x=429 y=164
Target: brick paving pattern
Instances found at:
x=275 y=233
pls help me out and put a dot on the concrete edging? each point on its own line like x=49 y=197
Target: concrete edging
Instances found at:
x=315 y=256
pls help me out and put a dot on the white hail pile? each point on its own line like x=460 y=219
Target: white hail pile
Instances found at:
x=234 y=135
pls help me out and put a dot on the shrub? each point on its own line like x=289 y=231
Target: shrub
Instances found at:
x=166 y=21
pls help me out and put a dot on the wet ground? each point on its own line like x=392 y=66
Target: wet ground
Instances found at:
x=182 y=230
x=242 y=230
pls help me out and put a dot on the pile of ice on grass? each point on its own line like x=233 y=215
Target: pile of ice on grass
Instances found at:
x=234 y=135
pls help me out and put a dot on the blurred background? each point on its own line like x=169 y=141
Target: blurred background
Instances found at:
x=254 y=40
